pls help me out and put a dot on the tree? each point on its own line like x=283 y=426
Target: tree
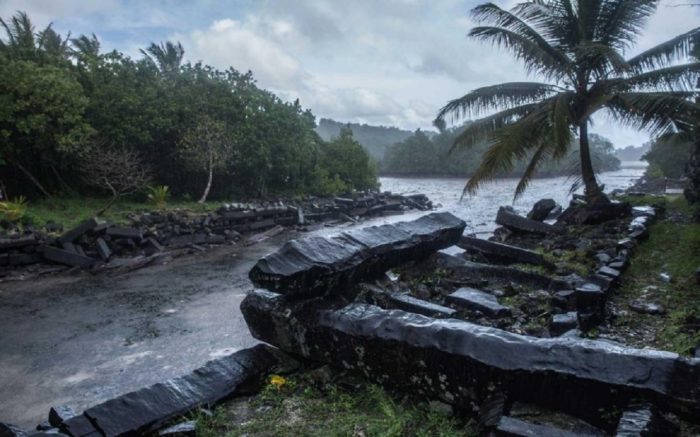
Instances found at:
x=205 y=146
x=167 y=56
x=578 y=47
x=41 y=117
x=345 y=159
x=117 y=169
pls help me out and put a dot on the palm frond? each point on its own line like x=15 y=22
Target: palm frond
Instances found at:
x=666 y=53
x=622 y=21
x=676 y=78
x=535 y=59
x=480 y=130
x=659 y=113
x=530 y=170
x=509 y=144
x=601 y=59
x=498 y=17
x=495 y=97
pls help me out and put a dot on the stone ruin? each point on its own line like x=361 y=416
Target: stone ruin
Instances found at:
x=329 y=300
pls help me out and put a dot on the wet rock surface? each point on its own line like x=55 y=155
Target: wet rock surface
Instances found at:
x=456 y=361
x=316 y=266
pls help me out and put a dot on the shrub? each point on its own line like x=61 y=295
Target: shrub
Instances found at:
x=14 y=210
x=159 y=196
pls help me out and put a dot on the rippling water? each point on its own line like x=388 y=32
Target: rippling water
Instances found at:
x=479 y=211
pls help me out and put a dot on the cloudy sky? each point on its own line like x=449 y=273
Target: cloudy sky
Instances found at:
x=390 y=62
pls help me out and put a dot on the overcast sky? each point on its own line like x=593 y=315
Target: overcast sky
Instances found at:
x=390 y=62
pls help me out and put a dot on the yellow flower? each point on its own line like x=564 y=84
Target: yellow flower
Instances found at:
x=277 y=381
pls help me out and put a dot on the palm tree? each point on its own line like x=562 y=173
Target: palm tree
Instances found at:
x=86 y=47
x=167 y=56
x=19 y=32
x=577 y=46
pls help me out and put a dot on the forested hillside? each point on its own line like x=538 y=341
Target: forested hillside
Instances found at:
x=77 y=120
x=421 y=154
x=375 y=139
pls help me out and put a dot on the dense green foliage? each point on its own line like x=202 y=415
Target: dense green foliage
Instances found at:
x=578 y=48
x=192 y=125
x=375 y=139
x=421 y=154
x=668 y=156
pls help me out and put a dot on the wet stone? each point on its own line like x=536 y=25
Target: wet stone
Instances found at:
x=418 y=306
x=316 y=266
x=609 y=272
x=184 y=429
x=604 y=282
x=602 y=257
x=589 y=296
x=509 y=219
x=103 y=249
x=58 y=415
x=513 y=427
x=541 y=209
x=65 y=257
x=78 y=231
x=473 y=299
x=562 y=323
x=121 y=232
x=644 y=420
x=9 y=430
x=643 y=307
x=437 y=356
x=502 y=251
x=565 y=299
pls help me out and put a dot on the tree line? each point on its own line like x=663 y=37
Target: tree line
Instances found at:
x=432 y=154
x=80 y=121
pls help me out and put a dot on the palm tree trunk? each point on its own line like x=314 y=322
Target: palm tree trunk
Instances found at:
x=593 y=193
x=30 y=176
x=211 y=176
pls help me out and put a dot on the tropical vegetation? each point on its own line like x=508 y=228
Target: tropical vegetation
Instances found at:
x=577 y=47
x=68 y=110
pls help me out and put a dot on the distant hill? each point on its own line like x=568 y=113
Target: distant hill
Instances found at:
x=632 y=153
x=375 y=139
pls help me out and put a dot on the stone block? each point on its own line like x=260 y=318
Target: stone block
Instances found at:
x=64 y=257
x=473 y=299
x=512 y=221
x=418 y=306
x=78 y=231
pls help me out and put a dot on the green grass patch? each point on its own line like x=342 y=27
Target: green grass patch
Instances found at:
x=673 y=247
x=72 y=210
x=301 y=408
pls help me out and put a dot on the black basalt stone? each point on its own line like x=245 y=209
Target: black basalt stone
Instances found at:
x=502 y=251
x=317 y=265
x=58 y=415
x=541 y=209
x=562 y=323
x=473 y=299
x=418 y=306
x=145 y=410
x=79 y=230
x=518 y=223
x=65 y=257
x=644 y=420
x=514 y=427
x=9 y=430
x=462 y=363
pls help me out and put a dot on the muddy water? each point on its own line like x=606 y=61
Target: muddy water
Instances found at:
x=79 y=340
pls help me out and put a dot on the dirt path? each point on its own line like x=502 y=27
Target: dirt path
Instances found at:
x=81 y=340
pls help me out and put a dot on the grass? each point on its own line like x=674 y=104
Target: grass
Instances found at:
x=72 y=210
x=673 y=247
x=301 y=408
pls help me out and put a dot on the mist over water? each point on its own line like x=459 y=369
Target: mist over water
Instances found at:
x=479 y=211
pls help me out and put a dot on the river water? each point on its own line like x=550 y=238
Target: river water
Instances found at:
x=479 y=211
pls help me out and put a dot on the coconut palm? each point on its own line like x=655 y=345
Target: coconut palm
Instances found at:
x=167 y=56
x=577 y=47
x=86 y=47
x=19 y=35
